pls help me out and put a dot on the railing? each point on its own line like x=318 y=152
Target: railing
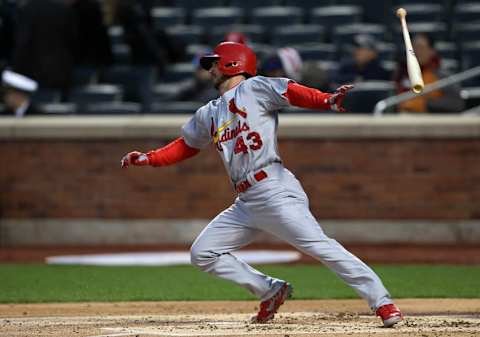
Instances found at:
x=384 y=104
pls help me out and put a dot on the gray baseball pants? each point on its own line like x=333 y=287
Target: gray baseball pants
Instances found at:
x=278 y=205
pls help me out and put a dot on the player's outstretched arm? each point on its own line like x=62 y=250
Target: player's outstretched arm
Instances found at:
x=310 y=98
x=170 y=154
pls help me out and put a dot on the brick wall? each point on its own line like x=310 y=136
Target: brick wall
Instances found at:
x=345 y=179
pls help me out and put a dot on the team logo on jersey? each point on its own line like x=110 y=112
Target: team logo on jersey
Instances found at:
x=233 y=108
x=224 y=133
x=229 y=134
x=216 y=133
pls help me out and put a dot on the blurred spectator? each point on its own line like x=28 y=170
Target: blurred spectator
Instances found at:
x=45 y=43
x=445 y=100
x=148 y=46
x=316 y=76
x=364 y=63
x=17 y=90
x=93 y=46
x=286 y=62
x=236 y=37
x=201 y=88
x=7 y=28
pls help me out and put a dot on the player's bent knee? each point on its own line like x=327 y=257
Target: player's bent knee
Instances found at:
x=202 y=258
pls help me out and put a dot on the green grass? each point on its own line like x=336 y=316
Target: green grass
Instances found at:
x=47 y=283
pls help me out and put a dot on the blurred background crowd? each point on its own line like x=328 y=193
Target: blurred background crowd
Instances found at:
x=142 y=56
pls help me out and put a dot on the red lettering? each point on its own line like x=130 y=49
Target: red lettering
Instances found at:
x=256 y=143
x=256 y=140
x=233 y=108
x=240 y=146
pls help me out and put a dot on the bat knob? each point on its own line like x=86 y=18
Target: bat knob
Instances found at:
x=401 y=12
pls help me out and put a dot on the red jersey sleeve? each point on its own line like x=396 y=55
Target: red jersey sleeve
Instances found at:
x=305 y=97
x=171 y=153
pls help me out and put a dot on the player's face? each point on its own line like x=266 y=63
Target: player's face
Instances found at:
x=217 y=77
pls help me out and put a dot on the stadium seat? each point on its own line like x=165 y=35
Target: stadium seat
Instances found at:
x=187 y=34
x=438 y=30
x=386 y=51
x=116 y=34
x=121 y=53
x=344 y=34
x=297 y=34
x=96 y=93
x=58 y=109
x=250 y=5
x=276 y=16
x=333 y=16
x=317 y=52
x=446 y=49
x=164 y=92
x=262 y=50
x=307 y=5
x=178 y=72
x=254 y=33
x=136 y=81
x=470 y=57
x=175 y=107
x=365 y=95
x=217 y=16
x=466 y=12
x=421 y=12
x=471 y=96
x=450 y=65
x=190 y=5
x=389 y=66
x=470 y=54
x=46 y=95
x=83 y=75
x=111 y=108
x=464 y=32
x=163 y=17
x=329 y=67
x=398 y=3
x=194 y=50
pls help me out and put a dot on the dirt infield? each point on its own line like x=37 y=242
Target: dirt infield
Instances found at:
x=432 y=317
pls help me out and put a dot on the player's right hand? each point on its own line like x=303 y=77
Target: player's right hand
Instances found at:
x=336 y=99
x=135 y=158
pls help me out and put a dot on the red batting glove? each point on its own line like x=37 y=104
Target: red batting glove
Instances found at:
x=135 y=158
x=336 y=99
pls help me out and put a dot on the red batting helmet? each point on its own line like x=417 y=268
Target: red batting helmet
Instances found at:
x=233 y=59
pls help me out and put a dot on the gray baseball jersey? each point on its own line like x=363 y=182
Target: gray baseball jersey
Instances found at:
x=243 y=125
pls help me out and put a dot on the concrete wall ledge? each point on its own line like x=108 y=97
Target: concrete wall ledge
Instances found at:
x=291 y=126
x=143 y=232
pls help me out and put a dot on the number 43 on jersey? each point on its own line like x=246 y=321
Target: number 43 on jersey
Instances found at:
x=253 y=142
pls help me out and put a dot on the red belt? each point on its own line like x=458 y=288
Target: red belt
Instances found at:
x=245 y=185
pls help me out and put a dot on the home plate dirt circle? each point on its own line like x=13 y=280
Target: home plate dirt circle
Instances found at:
x=295 y=324
x=320 y=318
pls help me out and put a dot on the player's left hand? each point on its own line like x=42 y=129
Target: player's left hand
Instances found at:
x=135 y=158
x=336 y=99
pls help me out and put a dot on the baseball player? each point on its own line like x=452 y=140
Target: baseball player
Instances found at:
x=242 y=125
